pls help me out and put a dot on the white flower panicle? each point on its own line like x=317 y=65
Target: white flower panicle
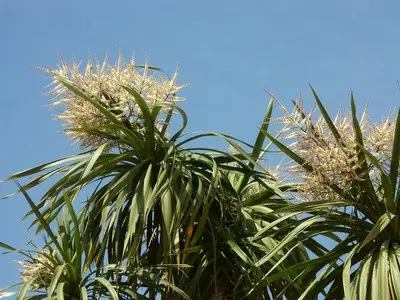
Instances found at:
x=105 y=83
x=38 y=268
x=335 y=162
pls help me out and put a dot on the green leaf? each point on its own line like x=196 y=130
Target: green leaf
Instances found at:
x=264 y=127
x=289 y=152
x=264 y=280
x=315 y=205
x=60 y=291
x=95 y=103
x=5 y=246
x=346 y=273
x=109 y=287
x=93 y=160
x=316 y=280
x=24 y=289
x=326 y=117
x=385 y=179
x=239 y=252
x=285 y=242
x=379 y=226
x=258 y=146
x=41 y=219
x=36 y=297
x=394 y=269
x=364 y=172
x=54 y=280
x=83 y=293
x=6 y=294
x=380 y=275
x=394 y=164
x=261 y=233
x=45 y=166
x=176 y=289
x=142 y=104
x=77 y=235
x=184 y=124
x=365 y=272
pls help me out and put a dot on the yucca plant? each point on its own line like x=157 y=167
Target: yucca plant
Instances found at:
x=62 y=269
x=161 y=219
x=261 y=197
x=350 y=191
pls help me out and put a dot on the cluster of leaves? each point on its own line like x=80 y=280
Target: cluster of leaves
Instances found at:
x=361 y=217
x=166 y=220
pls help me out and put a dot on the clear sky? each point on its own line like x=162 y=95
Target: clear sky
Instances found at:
x=228 y=51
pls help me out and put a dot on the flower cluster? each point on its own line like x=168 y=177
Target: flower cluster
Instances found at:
x=335 y=162
x=39 y=268
x=105 y=83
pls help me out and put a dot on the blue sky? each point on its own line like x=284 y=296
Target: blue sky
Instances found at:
x=228 y=51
